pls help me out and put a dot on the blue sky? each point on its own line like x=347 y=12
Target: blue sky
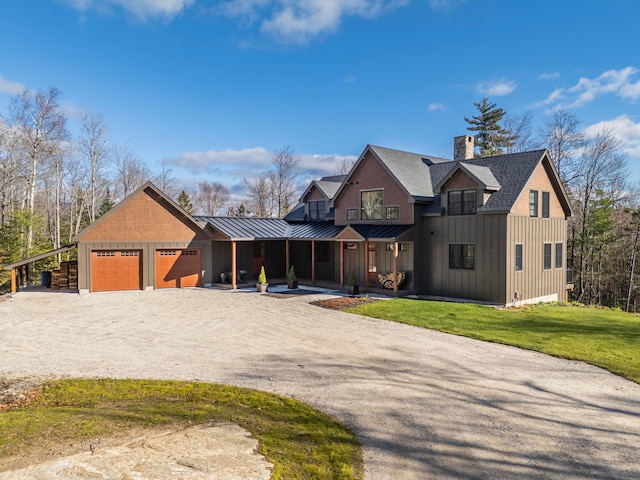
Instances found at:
x=215 y=86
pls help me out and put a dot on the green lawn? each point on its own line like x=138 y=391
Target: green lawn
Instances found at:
x=607 y=338
x=301 y=442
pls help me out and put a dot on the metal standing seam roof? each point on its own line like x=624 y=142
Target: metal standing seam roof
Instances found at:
x=379 y=232
x=248 y=228
x=314 y=230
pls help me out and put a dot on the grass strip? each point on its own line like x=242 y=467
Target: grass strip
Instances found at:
x=300 y=441
x=607 y=338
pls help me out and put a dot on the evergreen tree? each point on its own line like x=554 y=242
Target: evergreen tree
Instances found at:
x=491 y=138
x=106 y=205
x=185 y=202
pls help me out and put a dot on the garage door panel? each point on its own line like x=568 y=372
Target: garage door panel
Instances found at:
x=176 y=268
x=116 y=270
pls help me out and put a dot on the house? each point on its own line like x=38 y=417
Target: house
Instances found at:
x=488 y=229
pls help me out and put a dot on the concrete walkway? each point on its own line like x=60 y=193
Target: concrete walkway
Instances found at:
x=424 y=404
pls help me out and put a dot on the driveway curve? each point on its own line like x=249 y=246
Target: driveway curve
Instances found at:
x=423 y=404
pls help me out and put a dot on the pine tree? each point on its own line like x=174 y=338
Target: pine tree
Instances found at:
x=185 y=202
x=105 y=205
x=491 y=138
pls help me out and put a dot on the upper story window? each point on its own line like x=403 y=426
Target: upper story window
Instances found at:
x=462 y=202
x=352 y=214
x=533 y=203
x=371 y=203
x=393 y=213
x=545 y=204
x=317 y=210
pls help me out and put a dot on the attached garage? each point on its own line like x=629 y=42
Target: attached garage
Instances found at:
x=178 y=268
x=116 y=270
x=145 y=242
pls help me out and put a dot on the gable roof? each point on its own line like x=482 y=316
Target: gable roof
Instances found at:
x=328 y=185
x=147 y=186
x=482 y=175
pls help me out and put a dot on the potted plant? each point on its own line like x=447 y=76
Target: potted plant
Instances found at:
x=354 y=288
x=262 y=284
x=292 y=281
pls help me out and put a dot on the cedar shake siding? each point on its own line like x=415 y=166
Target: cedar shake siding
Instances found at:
x=372 y=175
x=540 y=182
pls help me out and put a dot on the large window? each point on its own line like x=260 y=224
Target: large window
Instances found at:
x=462 y=202
x=462 y=256
x=545 y=204
x=533 y=203
x=518 y=258
x=559 y=255
x=547 y=256
x=317 y=210
x=371 y=202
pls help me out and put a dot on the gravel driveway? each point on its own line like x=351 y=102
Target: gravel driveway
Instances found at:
x=424 y=404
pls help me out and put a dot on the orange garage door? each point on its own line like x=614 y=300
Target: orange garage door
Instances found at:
x=115 y=270
x=178 y=268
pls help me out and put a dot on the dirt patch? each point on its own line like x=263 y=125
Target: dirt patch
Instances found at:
x=343 y=303
x=18 y=392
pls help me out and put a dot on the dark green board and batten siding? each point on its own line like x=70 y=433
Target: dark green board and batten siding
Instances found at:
x=534 y=281
x=486 y=282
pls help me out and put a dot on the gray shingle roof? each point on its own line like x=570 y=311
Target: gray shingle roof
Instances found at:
x=512 y=171
x=411 y=169
x=329 y=188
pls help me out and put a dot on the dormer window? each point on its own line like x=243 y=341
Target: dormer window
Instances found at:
x=462 y=202
x=317 y=210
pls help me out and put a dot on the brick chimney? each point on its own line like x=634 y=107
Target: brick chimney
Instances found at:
x=463 y=148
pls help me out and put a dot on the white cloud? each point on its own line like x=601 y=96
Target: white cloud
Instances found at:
x=12 y=88
x=617 y=82
x=445 y=5
x=623 y=129
x=433 y=107
x=140 y=9
x=299 y=21
x=549 y=75
x=497 y=88
x=230 y=167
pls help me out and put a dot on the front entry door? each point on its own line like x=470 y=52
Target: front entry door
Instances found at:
x=372 y=274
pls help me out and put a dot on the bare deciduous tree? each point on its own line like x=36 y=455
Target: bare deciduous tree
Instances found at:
x=564 y=141
x=520 y=132
x=259 y=196
x=165 y=181
x=42 y=127
x=282 y=179
x=131 y=171
x=94 y=150
x=211 y=198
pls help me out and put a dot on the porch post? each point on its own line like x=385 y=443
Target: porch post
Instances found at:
x=341 y=263
x=14 y=287
x=366 y=266
x=313 y=262
x=395 y=267
x=234 y=283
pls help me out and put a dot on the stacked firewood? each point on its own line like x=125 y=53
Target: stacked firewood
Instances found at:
x=66 y=277
x=386 y=279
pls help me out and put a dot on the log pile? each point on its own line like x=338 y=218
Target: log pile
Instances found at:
x=66 y=277
x=386 y=279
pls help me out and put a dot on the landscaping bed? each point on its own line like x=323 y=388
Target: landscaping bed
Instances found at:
x=344 y=303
